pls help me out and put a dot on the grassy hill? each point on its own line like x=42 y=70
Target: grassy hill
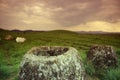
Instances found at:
x=11 y=53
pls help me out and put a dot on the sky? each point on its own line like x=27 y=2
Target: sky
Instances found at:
x=74 y=15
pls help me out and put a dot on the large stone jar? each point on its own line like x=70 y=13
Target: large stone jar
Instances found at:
x=102 y=56
x=52 y=63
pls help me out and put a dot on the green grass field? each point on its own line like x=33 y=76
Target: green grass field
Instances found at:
x=11 y=53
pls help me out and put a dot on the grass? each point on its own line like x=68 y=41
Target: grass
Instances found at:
x=112 y=74
x=11 y=53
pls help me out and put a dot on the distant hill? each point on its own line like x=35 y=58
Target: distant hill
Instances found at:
x=26 y=30
x=96 y=32
x=64 y=31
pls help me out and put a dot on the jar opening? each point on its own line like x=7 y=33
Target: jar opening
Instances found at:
x=49 y=51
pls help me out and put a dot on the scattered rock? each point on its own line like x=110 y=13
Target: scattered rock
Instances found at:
x=102 y=56
x=9 y=37
x=20 y=39
x=52 y=63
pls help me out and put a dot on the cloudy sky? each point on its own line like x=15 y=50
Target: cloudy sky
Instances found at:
x=75 y=15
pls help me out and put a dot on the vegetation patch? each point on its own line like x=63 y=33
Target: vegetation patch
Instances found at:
x=11 y=52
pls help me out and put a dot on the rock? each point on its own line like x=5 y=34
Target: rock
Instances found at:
x=52 y=63
x=20 y=39
x=102 y=56
x=9 y=37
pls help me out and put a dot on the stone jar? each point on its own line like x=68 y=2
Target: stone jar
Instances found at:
x=102 y=56
x=52 y=63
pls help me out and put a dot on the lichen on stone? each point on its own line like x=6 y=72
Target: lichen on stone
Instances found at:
x=102 y=56
x=52 y=63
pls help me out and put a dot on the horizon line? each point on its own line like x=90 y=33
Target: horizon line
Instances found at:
x=56 y=30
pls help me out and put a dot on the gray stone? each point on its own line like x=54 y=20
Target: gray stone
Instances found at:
x=52 y=63
x=102 y=56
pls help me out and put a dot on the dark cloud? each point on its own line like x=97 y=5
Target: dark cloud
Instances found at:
x=75 y=12
x=109 y=10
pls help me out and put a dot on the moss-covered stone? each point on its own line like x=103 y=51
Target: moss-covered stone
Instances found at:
x=102 y=56
x=52 y=63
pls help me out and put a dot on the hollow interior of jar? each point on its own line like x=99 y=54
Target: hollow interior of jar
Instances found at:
x=49 y=51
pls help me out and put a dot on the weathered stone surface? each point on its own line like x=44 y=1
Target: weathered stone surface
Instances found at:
x=9 y=37
x=102 y=56
x=52 y=63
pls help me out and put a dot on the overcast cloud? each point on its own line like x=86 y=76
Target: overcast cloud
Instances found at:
x=60 y=14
